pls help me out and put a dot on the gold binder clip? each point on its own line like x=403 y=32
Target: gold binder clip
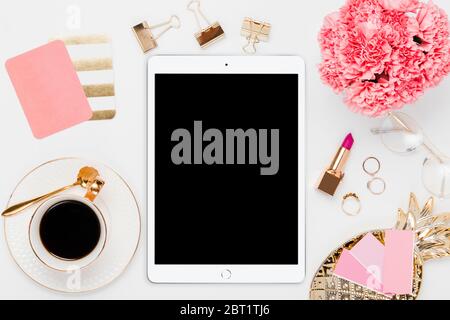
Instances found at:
x=211 y=33
x=255 y=32
x=145 y=36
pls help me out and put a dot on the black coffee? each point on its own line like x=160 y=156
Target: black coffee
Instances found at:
x=70 y=230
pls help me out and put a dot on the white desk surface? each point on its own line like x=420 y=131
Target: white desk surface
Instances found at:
x=121 y=143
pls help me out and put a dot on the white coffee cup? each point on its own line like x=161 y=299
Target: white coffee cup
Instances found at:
x=52 y=260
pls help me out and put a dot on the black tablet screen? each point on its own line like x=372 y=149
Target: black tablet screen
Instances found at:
x=226 y=169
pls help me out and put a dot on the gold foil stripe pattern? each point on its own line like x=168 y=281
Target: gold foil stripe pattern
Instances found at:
x=93 y=64
x=103 y=115
x=99 y=90
x=90 y=39
x=88 y=64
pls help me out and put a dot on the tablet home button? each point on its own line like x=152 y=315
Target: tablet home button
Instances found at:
x=226 y=274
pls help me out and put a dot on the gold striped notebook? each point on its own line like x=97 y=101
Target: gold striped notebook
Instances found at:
x=92 y=59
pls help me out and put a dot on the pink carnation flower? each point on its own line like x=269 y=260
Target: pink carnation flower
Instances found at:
x=382 y=57
x=400 y=5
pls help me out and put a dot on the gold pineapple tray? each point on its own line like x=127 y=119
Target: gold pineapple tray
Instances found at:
x=432 y=242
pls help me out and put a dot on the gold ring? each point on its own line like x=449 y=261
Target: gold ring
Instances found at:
x=374 y=192
x=354 y=197
x=369 y=172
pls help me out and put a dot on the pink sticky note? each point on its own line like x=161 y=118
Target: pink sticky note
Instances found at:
x=48 y=89
x=370 y=253
x=350 y=269
x=398 y=262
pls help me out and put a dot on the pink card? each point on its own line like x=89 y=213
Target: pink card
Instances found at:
x=48 y=89
x=398 y=261
x=370 y=254
x=350 y=269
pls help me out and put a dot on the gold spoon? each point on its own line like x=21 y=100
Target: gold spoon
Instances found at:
x=86 y=178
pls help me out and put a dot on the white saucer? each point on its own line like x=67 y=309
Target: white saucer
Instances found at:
x=123 y=231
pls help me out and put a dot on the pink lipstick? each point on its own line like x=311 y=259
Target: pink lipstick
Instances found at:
x=348 y=142
x=333 y=176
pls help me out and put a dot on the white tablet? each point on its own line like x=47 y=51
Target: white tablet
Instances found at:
x=226 y=169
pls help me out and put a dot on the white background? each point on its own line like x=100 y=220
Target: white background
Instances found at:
x=121 y=143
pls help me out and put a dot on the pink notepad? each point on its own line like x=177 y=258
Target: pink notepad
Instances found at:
x=48 y=89
x=398 y=261
x=350 y=269
x=370 y=253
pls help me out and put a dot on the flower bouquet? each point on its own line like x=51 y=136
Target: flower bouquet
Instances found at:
x=383 y=54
